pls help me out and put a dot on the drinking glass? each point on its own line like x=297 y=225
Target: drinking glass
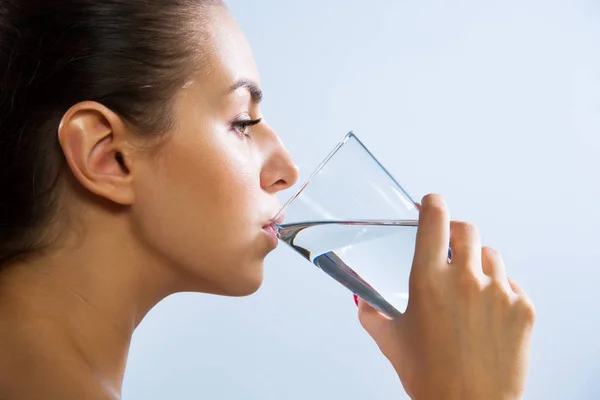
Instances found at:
x=355 y=222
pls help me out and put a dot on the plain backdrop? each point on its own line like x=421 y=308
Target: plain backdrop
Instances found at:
x=494 y=104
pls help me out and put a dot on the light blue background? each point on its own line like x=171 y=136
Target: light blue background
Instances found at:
x=494 y=104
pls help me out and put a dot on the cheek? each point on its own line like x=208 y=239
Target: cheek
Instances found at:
x=198 y=207
x=219 y=183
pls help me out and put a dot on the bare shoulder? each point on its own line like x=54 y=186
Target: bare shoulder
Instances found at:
x=28 y=378
x=67 y=389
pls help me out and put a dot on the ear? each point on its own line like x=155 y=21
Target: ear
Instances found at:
x=93 y=140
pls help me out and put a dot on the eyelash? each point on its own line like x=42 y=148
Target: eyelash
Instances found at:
x=240 y=125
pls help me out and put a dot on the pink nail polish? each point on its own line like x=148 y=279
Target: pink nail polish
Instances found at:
x=356 y=300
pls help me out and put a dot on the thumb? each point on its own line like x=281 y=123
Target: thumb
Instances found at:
x=376 y=324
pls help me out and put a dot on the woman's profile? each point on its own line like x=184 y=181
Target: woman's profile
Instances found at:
x=135 y=163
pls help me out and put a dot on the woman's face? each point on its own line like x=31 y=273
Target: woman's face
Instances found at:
x=202 y=202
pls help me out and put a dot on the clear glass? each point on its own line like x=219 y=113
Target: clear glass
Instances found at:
x=356 y=223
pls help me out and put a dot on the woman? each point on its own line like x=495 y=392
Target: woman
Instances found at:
x=136 y=164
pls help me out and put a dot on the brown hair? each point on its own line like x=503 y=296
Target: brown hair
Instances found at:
x=129 y=55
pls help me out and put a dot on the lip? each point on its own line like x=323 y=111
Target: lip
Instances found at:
x=272 y=232
x=278 y=220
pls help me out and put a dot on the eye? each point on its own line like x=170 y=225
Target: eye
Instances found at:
x=242 y=127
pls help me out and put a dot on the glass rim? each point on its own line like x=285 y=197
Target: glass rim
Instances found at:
x=347 y=138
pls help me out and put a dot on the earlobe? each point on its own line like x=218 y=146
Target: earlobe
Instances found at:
x=93 y=140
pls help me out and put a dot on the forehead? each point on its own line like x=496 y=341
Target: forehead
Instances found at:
x=228 y=54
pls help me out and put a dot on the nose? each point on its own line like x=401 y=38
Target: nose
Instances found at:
x=279 y=171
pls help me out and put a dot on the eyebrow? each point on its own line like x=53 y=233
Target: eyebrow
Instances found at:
x=255 y=93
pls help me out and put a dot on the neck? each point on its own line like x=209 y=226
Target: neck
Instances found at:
x=76 y=309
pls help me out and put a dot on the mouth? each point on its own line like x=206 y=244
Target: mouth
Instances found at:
x=272 y=230
x=273 y=233
x=277 y=220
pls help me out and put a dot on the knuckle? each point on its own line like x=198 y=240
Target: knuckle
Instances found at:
x=465 y=228
x=515 y=287
x=491 y=261
x=464 y=235
x=490 y=253
x=526 y=309
x=496 y=287
x=468 y=284
x=500 y=294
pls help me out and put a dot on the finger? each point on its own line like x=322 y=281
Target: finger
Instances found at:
x=466 y=248
x=493 y=264
x=375 y=323
x=526 y=310
x=433 y=234
x=516 y=288
x=524 y=305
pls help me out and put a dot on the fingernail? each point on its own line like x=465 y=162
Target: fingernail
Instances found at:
x=356 y=300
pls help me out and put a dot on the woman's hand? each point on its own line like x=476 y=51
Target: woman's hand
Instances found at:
x=467 y=328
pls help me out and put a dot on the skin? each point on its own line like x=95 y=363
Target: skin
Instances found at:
x=466 y=332
x=189 y=216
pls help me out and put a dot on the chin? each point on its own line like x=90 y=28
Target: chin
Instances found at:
x=245 y=290
x=245 y=284
x=232 y=278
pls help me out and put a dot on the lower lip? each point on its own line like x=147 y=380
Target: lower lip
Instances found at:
x=271 y=231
